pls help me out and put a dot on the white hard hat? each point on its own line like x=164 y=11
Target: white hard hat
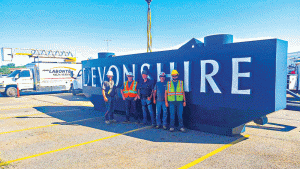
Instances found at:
x=110 y=73
x=129 y=74
x=162 y=74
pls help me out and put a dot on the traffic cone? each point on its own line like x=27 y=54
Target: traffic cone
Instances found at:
x=18 y=92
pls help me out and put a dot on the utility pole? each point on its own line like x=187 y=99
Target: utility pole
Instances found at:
x=107 y=40
x=149 y=36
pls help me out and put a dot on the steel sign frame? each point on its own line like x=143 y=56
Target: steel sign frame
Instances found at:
x=227 y=84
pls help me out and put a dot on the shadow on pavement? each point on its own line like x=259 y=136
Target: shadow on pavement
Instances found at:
x=95 y=119
x=28 y=117
x=41 y=93
x=281 y=127
x=293 y=106
x=71 y=97
x=36 y=93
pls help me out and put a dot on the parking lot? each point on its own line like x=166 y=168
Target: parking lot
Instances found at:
x=64 y=131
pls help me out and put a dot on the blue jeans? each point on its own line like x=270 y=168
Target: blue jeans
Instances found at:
x=176 y=107
x=161 y=105
x=110 y=108
x=147 y=104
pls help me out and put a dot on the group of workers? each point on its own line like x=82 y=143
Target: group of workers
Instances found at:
x=164 y=94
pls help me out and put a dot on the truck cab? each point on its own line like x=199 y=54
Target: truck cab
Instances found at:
x=17 y=80
x=76 y=86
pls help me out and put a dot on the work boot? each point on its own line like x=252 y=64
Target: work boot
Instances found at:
x=126 y=121
x=157 y=127
x=165 y=127
x=182 y=129
x=107 y=122
x=172 y=129
x=113 y=121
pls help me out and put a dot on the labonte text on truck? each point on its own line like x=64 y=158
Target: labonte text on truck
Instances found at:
x=40 y=77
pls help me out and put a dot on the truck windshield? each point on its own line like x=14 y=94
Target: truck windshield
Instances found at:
x=14 y=73
x=79 y=73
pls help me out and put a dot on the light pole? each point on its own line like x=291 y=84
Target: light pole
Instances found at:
x=107 y=40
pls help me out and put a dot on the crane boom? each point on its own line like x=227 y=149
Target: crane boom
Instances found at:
x=41 y=53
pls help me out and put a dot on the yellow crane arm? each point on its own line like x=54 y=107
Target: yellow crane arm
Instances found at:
x=29 y=54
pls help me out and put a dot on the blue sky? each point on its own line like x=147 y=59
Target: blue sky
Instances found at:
x=84 y=25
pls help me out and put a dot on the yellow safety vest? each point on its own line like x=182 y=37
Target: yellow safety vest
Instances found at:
x=178 y=93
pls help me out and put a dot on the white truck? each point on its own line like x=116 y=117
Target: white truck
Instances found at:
x=39 y=77
x=76 y=86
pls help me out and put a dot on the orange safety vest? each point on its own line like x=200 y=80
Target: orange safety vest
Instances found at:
x=130 y=91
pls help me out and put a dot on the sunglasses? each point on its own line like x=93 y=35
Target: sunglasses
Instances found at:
x=175 y=76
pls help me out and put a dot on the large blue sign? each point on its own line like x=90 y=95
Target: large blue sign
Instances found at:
x=227 y=84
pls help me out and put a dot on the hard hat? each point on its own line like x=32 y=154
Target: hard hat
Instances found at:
x=130 y=74
x=162 y=74
x=144 y=72
x=174 y=72
x=110 y=73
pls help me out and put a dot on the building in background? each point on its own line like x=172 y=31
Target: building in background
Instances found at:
x=293 y=70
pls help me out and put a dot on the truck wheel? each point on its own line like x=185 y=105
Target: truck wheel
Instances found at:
x=11 y=92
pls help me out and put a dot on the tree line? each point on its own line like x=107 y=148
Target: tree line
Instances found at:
x=5 y=68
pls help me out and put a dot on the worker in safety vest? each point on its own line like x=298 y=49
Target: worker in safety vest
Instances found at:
x=175 y=96
x=109 y=92
x=130 y=95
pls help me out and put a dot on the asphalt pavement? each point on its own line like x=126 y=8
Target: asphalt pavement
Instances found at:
x=64 y=131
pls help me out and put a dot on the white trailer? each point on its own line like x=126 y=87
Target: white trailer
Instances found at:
x=40 y=77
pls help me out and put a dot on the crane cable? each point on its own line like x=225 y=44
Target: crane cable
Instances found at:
x=149 y=36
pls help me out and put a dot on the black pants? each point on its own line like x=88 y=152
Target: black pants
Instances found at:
x=131 y=103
